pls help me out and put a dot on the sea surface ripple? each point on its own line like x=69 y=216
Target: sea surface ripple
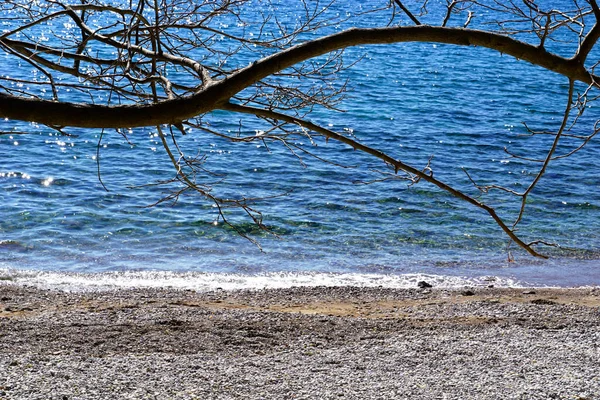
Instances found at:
x=462 y=106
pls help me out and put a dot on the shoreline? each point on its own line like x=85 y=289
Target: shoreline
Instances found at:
x=305 y=342
x=548 y=276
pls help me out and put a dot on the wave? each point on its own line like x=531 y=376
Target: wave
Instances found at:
x=200 y=281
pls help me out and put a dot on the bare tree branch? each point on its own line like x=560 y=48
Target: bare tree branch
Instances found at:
x=396 y=164
x=171 y=62
x=217 y=93
x=550 y=154
x=407 y=12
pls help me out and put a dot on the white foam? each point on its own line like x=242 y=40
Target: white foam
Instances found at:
x=200 y=281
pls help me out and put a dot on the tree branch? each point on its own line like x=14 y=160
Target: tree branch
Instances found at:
x=588 y=43
x=407 y=12
x=397 y=164
x=550 y=154
x=216 y=94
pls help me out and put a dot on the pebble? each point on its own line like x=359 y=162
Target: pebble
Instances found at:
x=157 y=344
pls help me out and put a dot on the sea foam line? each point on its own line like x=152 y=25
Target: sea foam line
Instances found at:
x=201 y=281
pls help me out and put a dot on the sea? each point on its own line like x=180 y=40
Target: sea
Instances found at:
x=84 y=211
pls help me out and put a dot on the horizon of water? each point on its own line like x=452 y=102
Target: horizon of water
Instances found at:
x=461 y=105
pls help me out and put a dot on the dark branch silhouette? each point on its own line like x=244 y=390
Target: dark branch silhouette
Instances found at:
x=157 y=63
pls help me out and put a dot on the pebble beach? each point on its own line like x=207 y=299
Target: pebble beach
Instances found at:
x=300 y=343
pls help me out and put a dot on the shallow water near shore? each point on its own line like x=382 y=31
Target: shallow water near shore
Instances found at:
x=60 y=227
x=203 y=281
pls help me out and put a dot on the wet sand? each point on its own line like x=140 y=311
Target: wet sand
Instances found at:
x=300 y=343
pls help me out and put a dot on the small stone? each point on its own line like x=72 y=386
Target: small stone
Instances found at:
x=529 y=292
x=468 y=293
x=424 y=285
x=543 y=302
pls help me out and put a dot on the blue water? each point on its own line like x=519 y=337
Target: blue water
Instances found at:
x=462 y=106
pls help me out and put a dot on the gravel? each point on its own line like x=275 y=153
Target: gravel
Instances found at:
x=300 y=343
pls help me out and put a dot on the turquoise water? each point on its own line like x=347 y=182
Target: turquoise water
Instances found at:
x=461 y=105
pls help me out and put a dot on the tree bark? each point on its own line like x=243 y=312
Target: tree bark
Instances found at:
x=214 y=95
